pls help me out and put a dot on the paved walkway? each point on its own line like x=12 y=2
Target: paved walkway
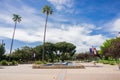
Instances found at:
x=91 y=72
x=62 y=75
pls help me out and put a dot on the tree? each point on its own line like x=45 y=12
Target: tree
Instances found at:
x=25 y=54
x=104 y=49
x=114 y=49
x=66 y=50
x=47 y=10
x=38 y=49
x=16 y=18
x=86 y=56
x=111 y=48
x=2 y=50
x=50 y=50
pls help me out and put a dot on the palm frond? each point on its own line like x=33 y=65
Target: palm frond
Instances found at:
x=47 y=9
x=16 y=18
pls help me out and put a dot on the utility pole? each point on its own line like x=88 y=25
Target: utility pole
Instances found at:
x=2 y=42
x=118 y=34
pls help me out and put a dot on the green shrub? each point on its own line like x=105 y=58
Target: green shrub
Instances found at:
x=112 y=62
x=105 y=62
x=10 y=63
x=38 y=62
x=99 y=61
x=4 y=62
x=14 y=62
x=44 y=62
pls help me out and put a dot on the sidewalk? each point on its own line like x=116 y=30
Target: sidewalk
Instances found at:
x=91 y=72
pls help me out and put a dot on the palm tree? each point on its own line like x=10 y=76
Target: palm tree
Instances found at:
x=47 y=10
x=16 y=18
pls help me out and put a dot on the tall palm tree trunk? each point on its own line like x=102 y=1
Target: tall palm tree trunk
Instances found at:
x=44 y=38
x=13 y=38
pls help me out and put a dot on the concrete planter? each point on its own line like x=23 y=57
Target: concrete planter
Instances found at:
x=57 y=67
x=119 y=66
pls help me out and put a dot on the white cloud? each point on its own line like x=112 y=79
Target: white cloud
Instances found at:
x=113 y=27
x=116 y=25
x=32 y=26
x=5 y=18
x=76 y=34
x=61 y=4
x=21 y=34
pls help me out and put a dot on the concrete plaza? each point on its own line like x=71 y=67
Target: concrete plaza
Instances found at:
x=91 y=72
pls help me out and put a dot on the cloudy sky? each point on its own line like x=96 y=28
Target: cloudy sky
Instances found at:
x=84 y=23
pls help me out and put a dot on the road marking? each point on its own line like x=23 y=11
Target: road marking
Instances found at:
x=62 y=75
x=56 y=75
x=65 y=78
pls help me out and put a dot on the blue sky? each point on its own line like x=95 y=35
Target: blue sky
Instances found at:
x=84 y=23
